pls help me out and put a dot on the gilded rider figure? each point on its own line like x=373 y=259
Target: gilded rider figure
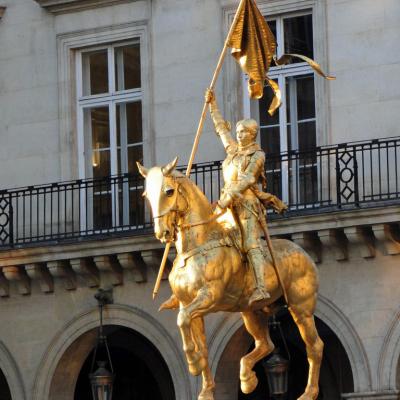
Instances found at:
x=243 y=169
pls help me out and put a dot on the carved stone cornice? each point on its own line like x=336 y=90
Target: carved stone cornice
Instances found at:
x=66 y=6
x=331 y=237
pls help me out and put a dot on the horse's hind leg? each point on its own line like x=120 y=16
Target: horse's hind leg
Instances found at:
x=256 y=324
x=314 y=348
x=199 y=338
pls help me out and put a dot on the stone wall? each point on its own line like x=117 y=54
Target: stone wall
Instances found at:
x=184 y=41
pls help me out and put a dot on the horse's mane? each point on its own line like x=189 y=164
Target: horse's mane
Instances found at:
x=190 y=186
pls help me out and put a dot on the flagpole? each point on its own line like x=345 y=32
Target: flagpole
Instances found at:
x=199 y=132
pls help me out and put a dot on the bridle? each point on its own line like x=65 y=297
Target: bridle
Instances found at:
x=183 y=213
x=174 y=207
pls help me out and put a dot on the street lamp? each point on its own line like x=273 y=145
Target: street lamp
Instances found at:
x=102 y=380
x=276 y=367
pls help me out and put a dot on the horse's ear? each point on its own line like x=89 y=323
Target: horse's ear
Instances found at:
x=142 y=170
x=167 y=169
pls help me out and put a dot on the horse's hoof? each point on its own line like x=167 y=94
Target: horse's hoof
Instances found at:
x=206 y=394
x=196 y=367
x=309 y=395
x=249 y=384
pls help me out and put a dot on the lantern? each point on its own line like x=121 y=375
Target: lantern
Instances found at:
x=102 y=382
x=277 y=370
x=102 y=379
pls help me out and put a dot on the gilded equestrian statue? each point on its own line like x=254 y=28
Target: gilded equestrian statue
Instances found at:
x=210 y=274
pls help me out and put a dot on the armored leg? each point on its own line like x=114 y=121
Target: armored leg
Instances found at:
x=257 y=262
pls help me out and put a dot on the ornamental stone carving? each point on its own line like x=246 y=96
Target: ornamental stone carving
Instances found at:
x=65 y=6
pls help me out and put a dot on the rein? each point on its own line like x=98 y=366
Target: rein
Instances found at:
x=175 y=209
x=207 y=221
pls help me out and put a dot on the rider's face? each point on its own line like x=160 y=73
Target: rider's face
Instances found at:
x=244 y=136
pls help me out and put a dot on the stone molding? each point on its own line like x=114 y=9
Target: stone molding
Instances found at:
x=378 y=395
x=127 y=316
x=340 y=237
x=12 y=373
x=329 y=313
x=389 y=356
x=67 y=6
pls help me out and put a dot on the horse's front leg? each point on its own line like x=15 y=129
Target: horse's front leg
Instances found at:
x=206 y=298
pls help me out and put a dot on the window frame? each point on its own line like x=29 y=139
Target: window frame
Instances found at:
x=281 y=74
x=236 y=101
x=237 y=104
x=68 y=44
x=111 y=99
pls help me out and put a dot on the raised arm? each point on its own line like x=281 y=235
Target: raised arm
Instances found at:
x=222 y=127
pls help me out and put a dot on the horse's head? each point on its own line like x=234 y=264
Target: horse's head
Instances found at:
x=161 y=190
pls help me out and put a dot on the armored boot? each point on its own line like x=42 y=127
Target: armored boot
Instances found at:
x=260 y=295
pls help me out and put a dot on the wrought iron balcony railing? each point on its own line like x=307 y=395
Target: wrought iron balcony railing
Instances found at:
x=339 y=177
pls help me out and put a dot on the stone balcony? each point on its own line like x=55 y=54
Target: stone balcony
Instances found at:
x=340 y=236
x=344 y=203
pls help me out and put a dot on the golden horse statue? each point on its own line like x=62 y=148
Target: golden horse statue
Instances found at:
x=209 y=275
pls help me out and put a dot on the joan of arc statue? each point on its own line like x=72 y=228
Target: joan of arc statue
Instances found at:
x=243 y=171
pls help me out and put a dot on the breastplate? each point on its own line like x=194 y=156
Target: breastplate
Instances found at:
x=230 y=169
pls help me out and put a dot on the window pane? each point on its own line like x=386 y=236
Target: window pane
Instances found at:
x=289 y=136
x=305 y=98
x=136 y=207
x=307 y=135
x=127 y=67
x=100 y=126
x=101 y=164
x=97 y=141
x=308 y=185
x=263 y=104
x=95 y=72
x=102 y=214
x=134 y=117
x=135 y=153
x=299 y=36
x=129 y=123
x=270 y=143
x=272 y=26
x=274 y=182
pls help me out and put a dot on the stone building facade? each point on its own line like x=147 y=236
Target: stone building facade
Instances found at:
x=87 y=87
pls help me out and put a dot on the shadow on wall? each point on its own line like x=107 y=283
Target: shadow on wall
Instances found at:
x=336 y=375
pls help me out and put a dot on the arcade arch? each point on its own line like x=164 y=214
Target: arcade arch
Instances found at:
x=389 y=358
x=140 y=371
x=335 y=330
x=65 y=358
